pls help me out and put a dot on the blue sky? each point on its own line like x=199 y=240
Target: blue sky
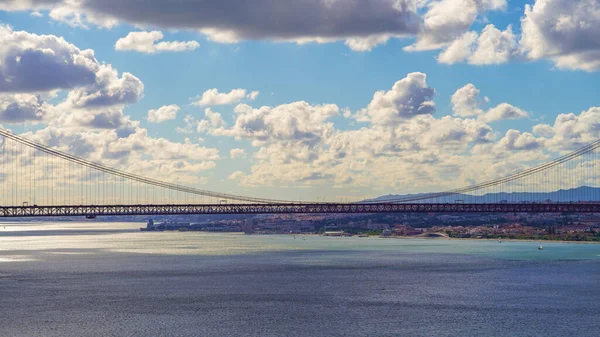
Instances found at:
x=528 y=76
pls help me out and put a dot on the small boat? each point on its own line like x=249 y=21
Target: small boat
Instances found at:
x=540 y=247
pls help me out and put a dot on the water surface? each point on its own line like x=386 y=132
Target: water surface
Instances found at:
x=110 y=279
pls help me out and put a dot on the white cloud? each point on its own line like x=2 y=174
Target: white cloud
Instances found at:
x=237 y=175
x=571 y=131
x=137 y=152
x=212 y=123
x=237 y=153
x=446 y=20
x=35 y=68
x=503 y=111
x=35 y=63
x=253 y=95
x=409 y=97
x=190 y=125
x=466 y=101
x=367 y=43
x=19 y=108
x=417 y=153
x=298 y=122
x=564 y=31
x=108 y=90
x=459 y=49
x=214 y=97
x=164 y=113
x=92 y=118
x=89 y=122
x=493 y=46
x=38 y=65
x=73 y=14
x=146 y=42
x=519 y=141
x=294 y=148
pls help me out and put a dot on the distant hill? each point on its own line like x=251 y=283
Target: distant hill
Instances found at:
x=583 y=193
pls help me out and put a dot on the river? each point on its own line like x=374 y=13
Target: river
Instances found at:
x=110 y=279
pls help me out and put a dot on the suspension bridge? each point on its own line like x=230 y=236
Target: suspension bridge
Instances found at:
x=41 y=181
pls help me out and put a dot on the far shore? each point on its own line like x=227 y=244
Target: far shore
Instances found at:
x=436 y=238
x=480 y=239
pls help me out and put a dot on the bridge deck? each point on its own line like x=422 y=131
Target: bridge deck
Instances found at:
x=99 y=210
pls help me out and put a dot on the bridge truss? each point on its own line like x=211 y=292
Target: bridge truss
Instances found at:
x=324 y=208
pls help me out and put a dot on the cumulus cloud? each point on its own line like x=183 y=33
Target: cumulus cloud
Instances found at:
x=428 y=150
x=446 y=20
x=136 y=152
x=515 y=140
x=97 y=118
x=297 y=144
x=89 y=122
x=108 y=90
x=146 y=42
x=164 y=113
x=409 y=97
x=212 y=123
x=237 y=153
x=37 y=67
x=563 y=31
x=214 y=97
x=298 y=121
x=72 y=13
x=493 y=46
x=36 y=63
x=459 y=50
x=367 y=43
x=571 y=131
x=19 y=108
x=466 y=102
x=190 y=125
x=503 y=111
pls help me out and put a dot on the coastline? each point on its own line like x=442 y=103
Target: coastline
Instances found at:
x=487 y=239
x=436 y=238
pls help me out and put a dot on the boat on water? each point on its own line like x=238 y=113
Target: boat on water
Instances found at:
x=540 y=246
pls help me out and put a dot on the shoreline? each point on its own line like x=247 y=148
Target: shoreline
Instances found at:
x=432 y=238
x=486 y=239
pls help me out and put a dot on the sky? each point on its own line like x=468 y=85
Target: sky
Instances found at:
x=315 y=99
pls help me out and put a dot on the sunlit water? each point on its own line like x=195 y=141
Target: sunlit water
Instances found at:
x=110 y=279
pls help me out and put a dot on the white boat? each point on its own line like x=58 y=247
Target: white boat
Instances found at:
x=540 y=247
